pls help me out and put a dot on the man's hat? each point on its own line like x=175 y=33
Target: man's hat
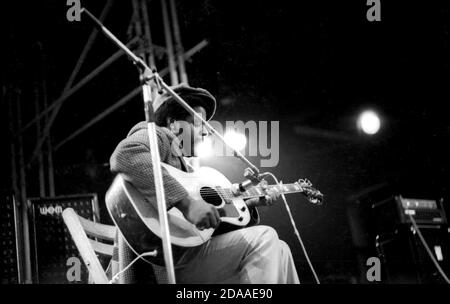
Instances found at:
x=192 y=96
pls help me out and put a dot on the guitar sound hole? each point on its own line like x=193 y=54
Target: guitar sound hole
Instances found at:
x=210 y=196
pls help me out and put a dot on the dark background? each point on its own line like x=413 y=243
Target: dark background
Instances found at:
x=305 y=65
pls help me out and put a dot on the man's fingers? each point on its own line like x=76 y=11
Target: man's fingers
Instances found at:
x=274 y=194
x=210 y=220
x=263 y=200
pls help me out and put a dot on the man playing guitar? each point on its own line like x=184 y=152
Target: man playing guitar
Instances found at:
x=253 y=254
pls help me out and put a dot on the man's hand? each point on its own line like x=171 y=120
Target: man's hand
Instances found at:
x=266 y=200
x=199 y=213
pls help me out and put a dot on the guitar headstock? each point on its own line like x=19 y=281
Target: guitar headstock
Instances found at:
x=313 y=195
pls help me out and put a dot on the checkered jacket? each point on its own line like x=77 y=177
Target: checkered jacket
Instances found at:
x=132 y=159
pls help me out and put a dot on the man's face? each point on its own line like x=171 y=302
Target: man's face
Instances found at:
x=196 y=131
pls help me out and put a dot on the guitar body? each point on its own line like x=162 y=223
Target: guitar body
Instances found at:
x=137 y=217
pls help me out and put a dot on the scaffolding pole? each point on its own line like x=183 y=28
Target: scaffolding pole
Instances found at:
x=48 y=148
x=40 y=157
x=148 y=44
x=178 y=44
x=14 y=177
x=136 y=20
x=13 y=143
x=23 y=194
x=169 y=44
x=50 y=172
x=148 y=36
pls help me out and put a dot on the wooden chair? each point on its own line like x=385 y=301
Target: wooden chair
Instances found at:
x=80 y=228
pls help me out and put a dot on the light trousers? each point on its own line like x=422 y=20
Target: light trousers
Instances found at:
x=253 y=255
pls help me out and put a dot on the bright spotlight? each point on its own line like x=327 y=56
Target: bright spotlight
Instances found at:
x=236 y=140
x=204 y=148
x=369 y=122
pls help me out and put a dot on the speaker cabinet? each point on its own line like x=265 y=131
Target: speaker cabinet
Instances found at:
x=54 y=253
x=405 y=259
x=10 y=270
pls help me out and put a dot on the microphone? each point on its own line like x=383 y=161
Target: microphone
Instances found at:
x=240 y=188
x=253 y=179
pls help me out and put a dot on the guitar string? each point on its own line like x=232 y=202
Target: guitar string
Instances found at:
x=228 y=195
x=215 y=195
x=218 y=192
x=224 y=193
x=221 y=193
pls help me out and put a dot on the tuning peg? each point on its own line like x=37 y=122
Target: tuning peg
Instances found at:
x=315 y=201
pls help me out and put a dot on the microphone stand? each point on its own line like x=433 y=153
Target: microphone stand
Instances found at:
x=147 y=75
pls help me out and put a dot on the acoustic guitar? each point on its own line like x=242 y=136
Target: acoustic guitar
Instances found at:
x=137 y=218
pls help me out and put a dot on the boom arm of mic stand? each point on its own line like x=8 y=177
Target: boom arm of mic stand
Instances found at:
x=136 y=60
x=146 y=75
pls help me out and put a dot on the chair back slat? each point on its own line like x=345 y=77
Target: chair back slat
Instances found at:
x=102 y=248
x=101 y=231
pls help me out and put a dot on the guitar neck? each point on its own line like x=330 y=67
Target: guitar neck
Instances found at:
x=258 y=191
x=284 y=188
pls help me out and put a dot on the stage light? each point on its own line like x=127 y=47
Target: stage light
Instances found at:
x=204 y=148
x=236 y=140
x=369 y=122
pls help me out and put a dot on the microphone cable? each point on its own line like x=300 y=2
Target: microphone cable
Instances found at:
x=422 y=239
x=117 y=275
x=295 y=228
